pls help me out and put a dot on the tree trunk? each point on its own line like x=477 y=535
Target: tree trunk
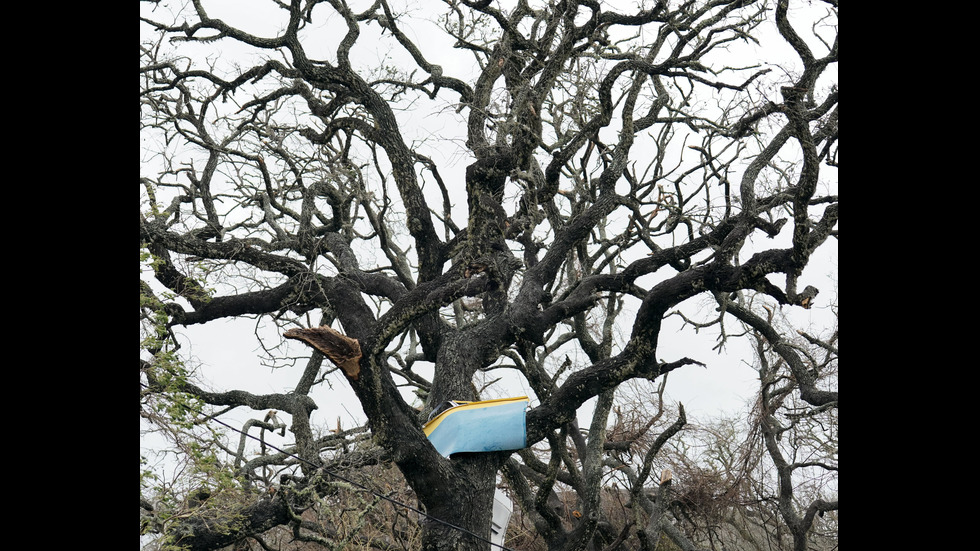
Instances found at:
x=466 y=510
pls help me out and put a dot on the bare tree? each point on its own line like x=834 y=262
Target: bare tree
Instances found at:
x=620 y=162
x=796 y=439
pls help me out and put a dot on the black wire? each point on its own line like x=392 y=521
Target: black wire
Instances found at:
x=356 y=484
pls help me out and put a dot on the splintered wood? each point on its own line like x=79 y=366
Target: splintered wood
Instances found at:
x=343 y=351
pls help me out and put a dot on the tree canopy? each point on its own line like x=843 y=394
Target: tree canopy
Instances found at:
x=469 y=198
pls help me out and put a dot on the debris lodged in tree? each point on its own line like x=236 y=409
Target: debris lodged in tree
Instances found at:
x=344 y=351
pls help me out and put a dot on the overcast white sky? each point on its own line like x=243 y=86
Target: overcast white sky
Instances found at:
x=230 y=356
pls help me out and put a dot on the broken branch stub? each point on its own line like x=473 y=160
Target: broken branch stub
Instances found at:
x=343 y=351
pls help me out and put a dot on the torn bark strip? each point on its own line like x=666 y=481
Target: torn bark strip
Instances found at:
x=343 y=351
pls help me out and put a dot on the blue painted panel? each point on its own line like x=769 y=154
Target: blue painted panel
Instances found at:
x=496 y=426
